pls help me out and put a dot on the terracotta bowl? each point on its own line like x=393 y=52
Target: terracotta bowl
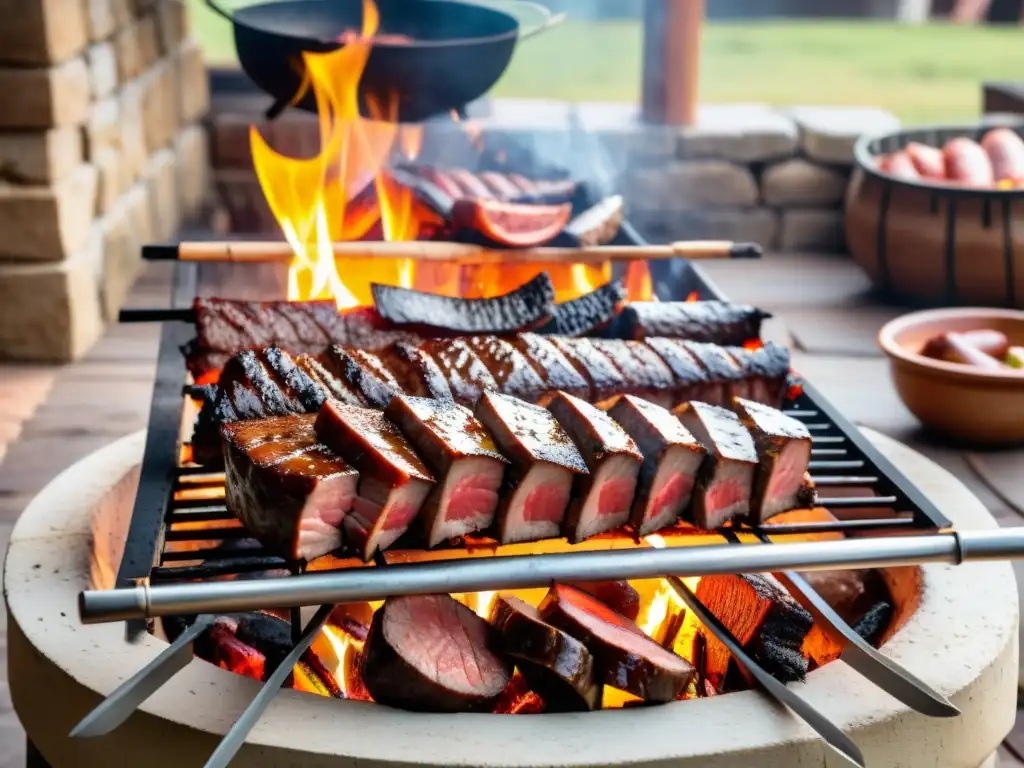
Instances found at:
x=958 y=401
x=929 y=244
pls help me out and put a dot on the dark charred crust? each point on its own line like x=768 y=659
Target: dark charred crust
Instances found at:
x=416 y=371
x=551 y=364
x=588 y=313
x=603 y=378
x=466 y=373
x=537 y=435
x=363 y=373
x=716 y=322
x=512 y=372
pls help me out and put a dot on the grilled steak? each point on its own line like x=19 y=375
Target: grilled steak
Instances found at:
x=466 y=373
x=333 y=385
x=430 y=653
x=393 y=482
x=600 y=373
x=415 y=371
x=722 y=370
x=512 y=372
x=362 y=372
x=715 y=322
x=645 y=373
x=459 y=452
x=557 y=372
x=784 y=445
x=290 y=491
x=726 y=476
x=555 y=664
x=692 y=380
x=602 y=497
x=672 y=457
x=617 y=595
x=625 y=657
x=538 y=485
x=766 y=370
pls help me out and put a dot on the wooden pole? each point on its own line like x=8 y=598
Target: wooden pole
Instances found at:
x=671 y=59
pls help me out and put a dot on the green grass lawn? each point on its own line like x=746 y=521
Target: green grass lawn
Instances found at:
x=924 y=74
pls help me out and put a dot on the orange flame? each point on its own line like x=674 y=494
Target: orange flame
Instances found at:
x=639 y=285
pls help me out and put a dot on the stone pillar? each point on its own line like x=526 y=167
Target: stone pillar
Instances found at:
x=100 y=151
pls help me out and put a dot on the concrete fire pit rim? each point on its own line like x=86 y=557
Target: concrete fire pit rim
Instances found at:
x=202 y=701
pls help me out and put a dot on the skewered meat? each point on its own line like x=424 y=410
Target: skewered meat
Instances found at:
x=625 y=657
x=528 y=306
x=721 y=368
x=1005 y=150
x=672 y=457
x=716 y=322
x=544 y=462
x=289 y=490
x=784 y=447
x=617 y=595
x=692 y=380
x=459 y=452
x=333 y=385
x=602 y=497
x=766 y=371
x=725 y=479
x=555 y=664
x=601 y=375
x=551 y=365
x=647 y=375
x=466 y=373
x=587 y=314
x=415 y=371
x=362 y=372
x=430 y=653
x=512 y=372
x=393 y=482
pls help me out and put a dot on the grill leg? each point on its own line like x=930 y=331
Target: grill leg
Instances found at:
x=33 y=759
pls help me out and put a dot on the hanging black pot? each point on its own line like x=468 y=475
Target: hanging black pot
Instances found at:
x=458 y=50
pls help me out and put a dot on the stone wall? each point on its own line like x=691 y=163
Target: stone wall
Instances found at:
x=101 y=150
x=744 y=172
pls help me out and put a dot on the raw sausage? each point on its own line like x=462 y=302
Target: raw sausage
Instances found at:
x=899 y=164
x=1005 y=150
x=967 y=163
x=991 y=342
x=927 y=160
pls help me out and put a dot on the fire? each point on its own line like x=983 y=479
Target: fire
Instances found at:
x=639 y=285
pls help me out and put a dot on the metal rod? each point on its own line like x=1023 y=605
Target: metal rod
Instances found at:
x=528 y=571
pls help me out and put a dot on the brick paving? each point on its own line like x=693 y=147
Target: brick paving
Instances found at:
x=823 y=309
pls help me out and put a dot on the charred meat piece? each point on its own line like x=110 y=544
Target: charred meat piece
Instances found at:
x=692 y=381
x=766 y=370
x=471 y=185
x=726 y=477
x=512 y=372
x=599 y=224
x=724 y=373
x=393 y=481
x=715 y=322
x=334 y=386
x=416 y=372
x=538 y=485
x=555 y=664
x=617 y=595
x=364 y=328
x=600 y=373
x=587 y=314
x=466 y=373
x=784 y=445
x=459 y=452
x=643 y=371
x=501 y=185
x=528 y=306
x=289 y=490
x=557 y=372
x=363 y=373
x=625 y=657
x=672 y=458
x=430 y=653
x=602 y=498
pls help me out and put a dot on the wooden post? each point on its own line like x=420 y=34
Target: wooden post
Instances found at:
x=671 y=60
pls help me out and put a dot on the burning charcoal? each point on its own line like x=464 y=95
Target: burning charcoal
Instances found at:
x=363 y=373
x=845 y=590
x=601 y=375
x=538 y=485
x=625 y=657
x=872 y=624
x=551 y=365
x=617 y=595
x=766 y=370
x=309 y=680
x=672 y=458
x=602 y=498
x=587 y=314
x=692 y=381
x=269 y=634
x=768 y=623
x=290 y=491
x=459 y=452
x=528 y=306
x=511 y=371
x=645 y=373
x=466 y=373
x=715 y=322
x=219 y=646
x=393 y=482
x=416 y=372
x=784 y=447
x=723 y=372
x=725 y=479
x=554 y=664
x=597 y=225
x=518 y=699
x=430 y=653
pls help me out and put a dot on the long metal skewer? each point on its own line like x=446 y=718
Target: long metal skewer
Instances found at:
x=529 y=571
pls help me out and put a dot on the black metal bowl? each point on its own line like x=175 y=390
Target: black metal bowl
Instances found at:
x=458 y=49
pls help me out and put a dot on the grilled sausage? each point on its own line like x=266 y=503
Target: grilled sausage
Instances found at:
x=1005 y=150
x=967 y=163
x=928 y=161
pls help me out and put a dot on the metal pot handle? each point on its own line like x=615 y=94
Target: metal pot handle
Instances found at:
x=213 y=6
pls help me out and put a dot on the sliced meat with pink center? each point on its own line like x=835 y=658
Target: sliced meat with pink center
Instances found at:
x=784 y=445
x=671 y=458
x=603 y=497
x=544 y=463
x=461 y=453
x=726 y=477
x=393 y=480
x=289 y=490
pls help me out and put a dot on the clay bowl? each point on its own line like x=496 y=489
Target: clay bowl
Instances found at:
x=958 y=401
x=929 y=244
